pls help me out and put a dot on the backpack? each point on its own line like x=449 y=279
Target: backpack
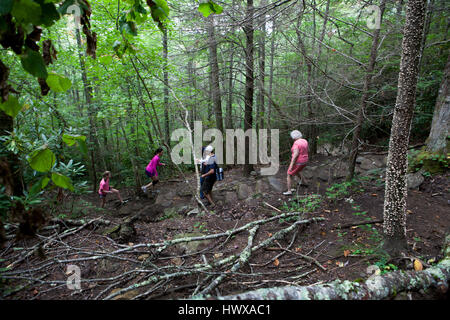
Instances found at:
x=219 y=173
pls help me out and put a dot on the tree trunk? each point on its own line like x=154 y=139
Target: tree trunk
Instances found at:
x=229 y=109
x=394 y=213
x=166 y=88
x=311 y=129
x=215 y=83
x=137 y=179
x=262 y=72
x=437 y=140
x=88 y=98
x=272 y=54
x=364 y=97
x=249 y=83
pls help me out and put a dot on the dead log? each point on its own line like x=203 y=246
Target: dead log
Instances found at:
x=360 y=223
x=375 y=288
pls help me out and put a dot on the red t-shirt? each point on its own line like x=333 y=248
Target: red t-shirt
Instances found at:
x=302 y=146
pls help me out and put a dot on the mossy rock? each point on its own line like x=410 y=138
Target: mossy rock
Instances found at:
x=111 y=230
x=432 y=163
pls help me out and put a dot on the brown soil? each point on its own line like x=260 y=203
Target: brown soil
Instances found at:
x=345 y=251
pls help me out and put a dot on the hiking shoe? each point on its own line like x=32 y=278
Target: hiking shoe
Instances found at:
x=287 y=193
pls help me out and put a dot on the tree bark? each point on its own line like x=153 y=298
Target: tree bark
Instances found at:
x=260 y=110
x=88 y=98
x=394 y=213
x=249 y=83
x=166 y=88
x=215 y=84
x=272 y=54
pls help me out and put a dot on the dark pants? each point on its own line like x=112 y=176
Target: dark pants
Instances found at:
x=202 y=196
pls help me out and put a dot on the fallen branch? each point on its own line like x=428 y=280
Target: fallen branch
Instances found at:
x=360 y=223
x=244 y=257
x=375 y=288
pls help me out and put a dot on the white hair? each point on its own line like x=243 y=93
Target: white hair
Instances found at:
x=296 y=134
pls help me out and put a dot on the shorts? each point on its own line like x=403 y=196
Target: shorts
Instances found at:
x=151 y=174
x=297 y=168
x=207 y=185
x=102 y=195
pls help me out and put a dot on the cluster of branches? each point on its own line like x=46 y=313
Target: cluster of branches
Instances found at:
x=152 y=277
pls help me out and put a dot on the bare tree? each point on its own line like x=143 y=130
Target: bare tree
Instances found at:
x=249 y=82
x=394 y=227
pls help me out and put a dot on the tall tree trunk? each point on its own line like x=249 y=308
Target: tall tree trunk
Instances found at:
x=262 y=71
x=192 y=99
x=229 y=109
x=426 y=28
x=215 y=83
x=166 y=87
x=272 y=55
x=394 y=213
x=437 y=140
x=137 y=179
x=88 y=98
x=311 y=129
x=315 y=129
x=249 y=83
x=364 y=97
x=138 y=93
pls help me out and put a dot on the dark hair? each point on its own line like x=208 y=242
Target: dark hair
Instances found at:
x=106 y=173
x=158 y=150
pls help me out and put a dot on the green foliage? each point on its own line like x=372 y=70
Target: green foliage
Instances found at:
x=11 y=107
x=200 y=226
x=80 y=140
x=305 y=205
x=209 y=7
x=42 y=159
x=340 y=190
x=33 y=63
x=384 y=266
x=58 y=83
x=6 y=6
x=62 y=181
x=431 y=163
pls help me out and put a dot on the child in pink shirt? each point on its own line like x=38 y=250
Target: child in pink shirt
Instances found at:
x=104 y=189
x=151 y=171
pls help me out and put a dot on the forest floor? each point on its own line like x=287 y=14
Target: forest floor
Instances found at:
x=341 y=246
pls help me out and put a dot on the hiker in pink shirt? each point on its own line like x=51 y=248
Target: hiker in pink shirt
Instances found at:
x=151 y=171
x=104 y=189
x=298 y=161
